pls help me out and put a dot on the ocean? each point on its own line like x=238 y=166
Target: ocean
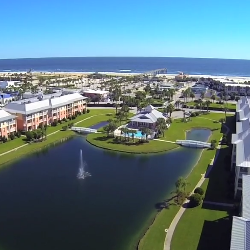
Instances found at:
x=174 y=65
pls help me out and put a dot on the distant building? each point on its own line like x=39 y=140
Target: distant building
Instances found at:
x=166 y=86
x=94 y=95
x=45 y=109
x=237 y=88
x=198 y=88
x=7 y=123
x=5 y=98
x=146 y=118
x=7 y=84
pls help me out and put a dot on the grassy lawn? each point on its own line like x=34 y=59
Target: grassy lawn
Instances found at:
x=177 y=130
x=203 y=229
x=216 y=105
x=102 y=141
x=155 y=236
x=12 y=144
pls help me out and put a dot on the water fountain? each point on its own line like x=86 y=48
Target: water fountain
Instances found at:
x=82 y=174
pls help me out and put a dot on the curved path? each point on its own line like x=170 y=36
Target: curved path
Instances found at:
x=170 y=232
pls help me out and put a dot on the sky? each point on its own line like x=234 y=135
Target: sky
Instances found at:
x=149 y=28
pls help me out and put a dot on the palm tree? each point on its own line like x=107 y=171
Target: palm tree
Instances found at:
x=202 y=95
x=147 y=132
x=161 y=125
x=207 y=103
x=200 y=103
x=213 y=97
x=170 y=109
x=225 y=111
x=116 y=107
x=192 y=95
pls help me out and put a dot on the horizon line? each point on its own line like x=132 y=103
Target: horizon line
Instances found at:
x=216 y=58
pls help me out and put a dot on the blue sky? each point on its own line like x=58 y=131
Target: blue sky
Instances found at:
x=174 y=28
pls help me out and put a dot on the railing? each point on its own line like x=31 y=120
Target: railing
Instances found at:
x=82 y=129
x=194 y=144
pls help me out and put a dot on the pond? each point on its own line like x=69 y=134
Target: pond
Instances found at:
x=45 y=206
x=99 y=125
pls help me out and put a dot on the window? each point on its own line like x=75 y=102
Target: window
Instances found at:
x=243 y=170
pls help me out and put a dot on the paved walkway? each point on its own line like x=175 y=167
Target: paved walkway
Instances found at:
x=164 y=141
x=218 y=204
x=171 y=229
x=14 y=149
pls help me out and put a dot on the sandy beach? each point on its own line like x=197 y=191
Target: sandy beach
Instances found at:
x=237 y=79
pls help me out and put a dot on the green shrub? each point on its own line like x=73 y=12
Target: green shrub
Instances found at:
x=64 y=128
x=195 y=200
x=12 y=136
x=199 y=190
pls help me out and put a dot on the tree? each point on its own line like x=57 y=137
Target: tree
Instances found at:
x=202 y=95
x=181 y=184
x=116 y=105
x=222 y=120
x=161 y=125
x=213 y=97
x=200 y=102
x=107 y=129
x=195 y=200
x=120 y=117
x=29 y=135
x=192 y=95
x=12 y=136
x=213 y=144
x=207 y=103
x=170 y=109
x=237 y=98
x=225 y=111
x=199 y=190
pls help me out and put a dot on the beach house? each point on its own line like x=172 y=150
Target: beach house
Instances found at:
x=45 y=109
x=7 y=123
x=146 y=118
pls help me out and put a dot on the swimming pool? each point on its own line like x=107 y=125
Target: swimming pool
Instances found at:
x=137 y=134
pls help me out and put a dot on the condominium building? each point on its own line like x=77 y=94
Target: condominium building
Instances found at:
x=237 y=88
x=30 y=113
x=240 y=235
x=240 y=161
x=7 y=123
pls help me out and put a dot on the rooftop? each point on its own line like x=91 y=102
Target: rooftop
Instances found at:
x=5 y=115
x=92 y=91
x=148 y=115
x=42 y=102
